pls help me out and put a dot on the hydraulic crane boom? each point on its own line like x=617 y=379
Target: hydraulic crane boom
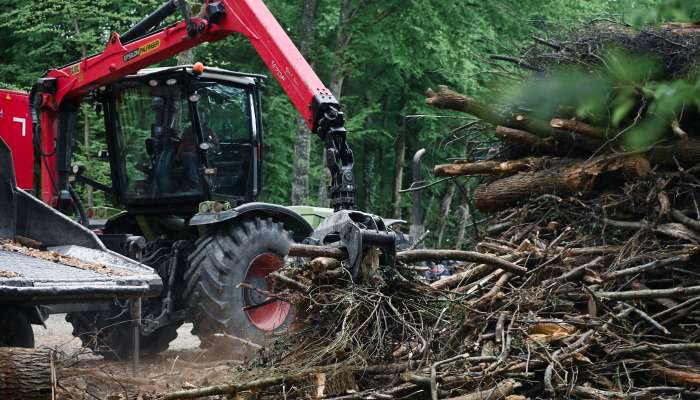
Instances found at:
x=58 y=94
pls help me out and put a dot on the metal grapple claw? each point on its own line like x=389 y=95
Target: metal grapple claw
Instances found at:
x=357 y=232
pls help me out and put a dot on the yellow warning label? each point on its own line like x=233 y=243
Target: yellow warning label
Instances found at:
x=146 y=48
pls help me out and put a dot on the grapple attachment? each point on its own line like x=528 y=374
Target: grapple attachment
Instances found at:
x=357 y=233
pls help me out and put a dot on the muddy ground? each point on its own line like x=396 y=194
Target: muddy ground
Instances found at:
x=84 y=375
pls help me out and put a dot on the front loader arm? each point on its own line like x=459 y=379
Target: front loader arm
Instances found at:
x=145 y=45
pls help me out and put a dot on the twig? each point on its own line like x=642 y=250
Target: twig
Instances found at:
x=656 y=348
x=650 y=294
x=410 y=256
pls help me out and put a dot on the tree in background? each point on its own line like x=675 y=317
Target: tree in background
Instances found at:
x=302 y=141
x=377 y=56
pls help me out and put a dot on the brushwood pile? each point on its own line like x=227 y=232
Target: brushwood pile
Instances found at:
x=585 y=279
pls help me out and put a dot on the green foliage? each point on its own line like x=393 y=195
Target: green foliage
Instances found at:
x=395 y=50
x=667 y=10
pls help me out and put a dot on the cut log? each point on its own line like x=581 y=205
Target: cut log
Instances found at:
x=323 y=264
x=25 y=374
x=676 y=153
x=447 y=99
x=573 y=125
x=578 y=177
x=567 y=141
x=537 y=144
x=682 y=28
x=677 y=376
x=492 y=167
x=305 y=250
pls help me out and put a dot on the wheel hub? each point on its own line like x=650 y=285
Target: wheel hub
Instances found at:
x=264 y=312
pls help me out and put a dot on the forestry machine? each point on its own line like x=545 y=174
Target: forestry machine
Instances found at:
x=185 y=152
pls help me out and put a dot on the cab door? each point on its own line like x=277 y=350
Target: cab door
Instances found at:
x=16 y=130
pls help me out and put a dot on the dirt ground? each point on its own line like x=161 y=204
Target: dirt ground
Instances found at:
x=82 y=375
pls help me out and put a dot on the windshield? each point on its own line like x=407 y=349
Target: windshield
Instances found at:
x=160 y=155
x=225 y=118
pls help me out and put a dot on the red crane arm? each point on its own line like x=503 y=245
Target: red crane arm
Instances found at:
x=248 y=17
x=219 y=19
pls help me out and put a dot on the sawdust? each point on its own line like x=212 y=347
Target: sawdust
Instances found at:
x=164 y=373
x=53 y=256
x=9 y=274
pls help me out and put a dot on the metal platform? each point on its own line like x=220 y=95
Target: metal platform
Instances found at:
x=36 y=277
x=43 y=281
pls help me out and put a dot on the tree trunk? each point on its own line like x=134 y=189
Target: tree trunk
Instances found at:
x=89 y=201
x=336 y=85
x=302 y=141
x=25 y=374
x=369 y=178
x=579 y=176
x=186 y=57
x=465 y=220
x=445 y=212
x=400 y=150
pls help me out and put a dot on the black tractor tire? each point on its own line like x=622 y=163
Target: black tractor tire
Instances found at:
x=15 y=328
x=219 y=263
x=110 y=333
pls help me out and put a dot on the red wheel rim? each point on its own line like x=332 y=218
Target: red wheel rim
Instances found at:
x=265 y=314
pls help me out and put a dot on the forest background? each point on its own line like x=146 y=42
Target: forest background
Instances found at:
x=378 y=57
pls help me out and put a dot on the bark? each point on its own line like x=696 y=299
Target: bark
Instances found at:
x=492 y=167
x=337 y=79
x=445 y=212
x=567 y=141
x=685 y=378
x=465 y=220
x=369 y=180
x=536 y=144
x=323 y=264
x=186 y=57
x=410 y=256
x=400 y=151
x=657 y=348
x=673 y=293
x=573 y=125
x=578 y=177
x=686 y=220
x=676 y=153
x=305 y=250
x=471 y=274
x=302 y=141
x=448 y=99
x=25 y=374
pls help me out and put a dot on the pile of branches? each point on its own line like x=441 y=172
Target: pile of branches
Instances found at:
x=585 y=284
x=610 y=237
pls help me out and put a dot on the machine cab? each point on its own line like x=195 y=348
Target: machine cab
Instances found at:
x=178 y=138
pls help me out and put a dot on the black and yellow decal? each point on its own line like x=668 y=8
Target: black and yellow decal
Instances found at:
x=146 y=48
